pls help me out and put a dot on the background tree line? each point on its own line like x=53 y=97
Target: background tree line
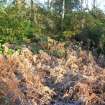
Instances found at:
x=63 y=20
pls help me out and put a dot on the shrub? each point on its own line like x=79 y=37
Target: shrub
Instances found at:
x=69 y=34
x=58 y=53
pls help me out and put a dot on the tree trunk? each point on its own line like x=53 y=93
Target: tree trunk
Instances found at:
x=63 y=14
x=63 y=10
x=94 y=4
x=32 y=12
x=48 y=4
x=87 y=5
x=32 y=17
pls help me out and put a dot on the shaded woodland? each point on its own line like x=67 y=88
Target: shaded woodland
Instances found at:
x=52 y=53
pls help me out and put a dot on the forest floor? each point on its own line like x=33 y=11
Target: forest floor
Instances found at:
x=43 y=79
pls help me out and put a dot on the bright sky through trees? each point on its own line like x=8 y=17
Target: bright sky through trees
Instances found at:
x=100 y=3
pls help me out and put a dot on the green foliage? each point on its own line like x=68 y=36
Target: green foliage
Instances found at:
x=94 y=30
x=10 y=51
x=1 y=49
x=16 y=25
x=58 y=53
x=69 y=34
x=12 y=26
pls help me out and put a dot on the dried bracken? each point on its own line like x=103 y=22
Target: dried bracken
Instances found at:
x=42 y=79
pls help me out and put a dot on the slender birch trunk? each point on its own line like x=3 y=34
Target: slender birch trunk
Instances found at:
x=63 y=14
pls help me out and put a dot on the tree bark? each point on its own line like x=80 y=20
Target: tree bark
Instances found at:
x=48 y=4
x=94 y=4
x=32 y=12
x=63 y=14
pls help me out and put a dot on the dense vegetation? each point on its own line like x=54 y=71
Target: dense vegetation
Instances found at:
x=52 y=53
x=63 y=20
